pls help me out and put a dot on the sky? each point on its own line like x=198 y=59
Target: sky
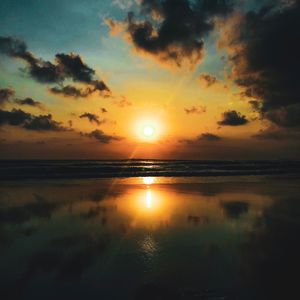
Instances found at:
x=155 y=79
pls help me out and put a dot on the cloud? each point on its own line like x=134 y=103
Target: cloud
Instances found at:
x=195 y=110
x=92 y=118
x=30 y=102
x=101 y=137
x=5 y=96
x=233 y=118
x=44 y=123
x=264 y=50
x=277 y=134
x=204 y=137
x=18 y=117
x=103 y=110
x=123 y=102
x=40 y=70
x=115 y=27
x=73 y=67
x=173 y=31
x=72 y=91
x=65 y=67
x=256 y=105
x=207 y=80
x=16 y=48
x=285 y=116
x=209 y=137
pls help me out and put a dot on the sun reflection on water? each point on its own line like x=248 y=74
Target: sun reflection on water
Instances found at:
x=148 y=180
x=148 y=245
x=149 y=204
x=149 y=199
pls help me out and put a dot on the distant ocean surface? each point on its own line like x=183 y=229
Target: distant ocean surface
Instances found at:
x=64 y=169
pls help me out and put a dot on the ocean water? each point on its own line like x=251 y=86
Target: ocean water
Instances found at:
x=36 y=169
x=213 y=238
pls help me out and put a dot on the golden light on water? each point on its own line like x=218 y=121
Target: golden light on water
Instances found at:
x=149 y=204
x=149 y=199
x=152 y=203
x=148 y=180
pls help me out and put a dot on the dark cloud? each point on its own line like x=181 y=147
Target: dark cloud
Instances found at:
x=276 y=133
x=256 y=105
x=73 y=67
x=18 y=117
x=45 y=72
x=208 y=79
x=44 y=123
x=195 y=110
x=264 y=48
x=16 y=48
x=30 y=102
x=40 y=70
x=122 y=102
x=72 y=91
x=5 y=95
x=101 y=137
x=92 y=118
x=233 y=118
x=209 y=137
x=204 y=137
x=103 y=110
x=285 y=116
x=66 y=66
x=173 y=30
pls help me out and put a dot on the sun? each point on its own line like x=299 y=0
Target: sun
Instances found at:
x=148 y=131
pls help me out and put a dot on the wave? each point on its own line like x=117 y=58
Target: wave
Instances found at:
x=46 y=169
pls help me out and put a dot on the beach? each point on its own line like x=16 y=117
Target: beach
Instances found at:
x=150 y=238
x=149 y=149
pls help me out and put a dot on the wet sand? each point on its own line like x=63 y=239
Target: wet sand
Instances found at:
x=150 y=238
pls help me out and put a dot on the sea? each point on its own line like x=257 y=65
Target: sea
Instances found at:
x=45 y=169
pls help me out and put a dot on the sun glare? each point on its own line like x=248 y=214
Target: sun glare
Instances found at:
x=148 y=131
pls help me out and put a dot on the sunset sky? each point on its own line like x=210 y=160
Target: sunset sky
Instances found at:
x=210 y=79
